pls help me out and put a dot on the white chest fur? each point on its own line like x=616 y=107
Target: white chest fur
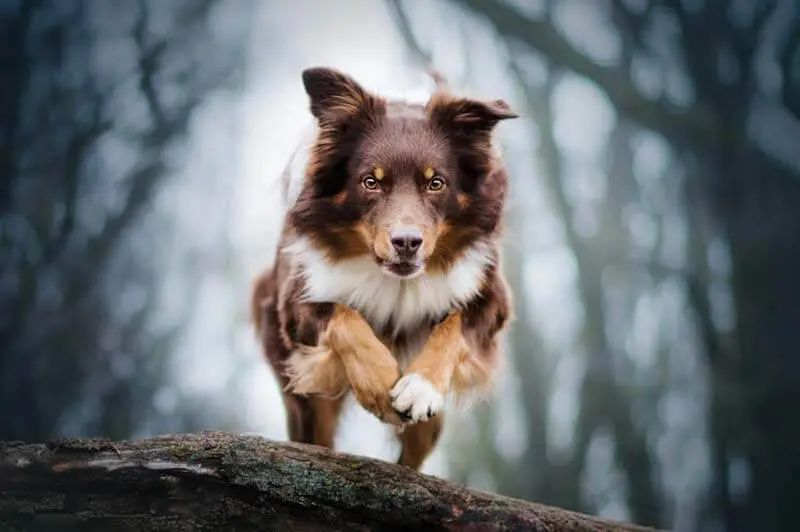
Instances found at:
x=405 y=303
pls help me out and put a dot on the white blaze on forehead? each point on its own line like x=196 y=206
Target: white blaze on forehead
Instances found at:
x=361 y=284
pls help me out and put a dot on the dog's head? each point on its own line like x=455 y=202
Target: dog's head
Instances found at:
x=414 y=186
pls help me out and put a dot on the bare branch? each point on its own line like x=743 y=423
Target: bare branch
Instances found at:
x=633 y=23
x=418 y=54
x=79 y=149
x=149 y=60
x=53 y=244
x=745 y=43
x=789 y=58
x=166 y=125
x=602 y=399
x=761 y=16
x=682 y=123
x=424 y=57
x=693 y=127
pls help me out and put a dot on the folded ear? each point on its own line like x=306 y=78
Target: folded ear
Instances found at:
x=467 y=115
x=468 y=124
x=335 y=96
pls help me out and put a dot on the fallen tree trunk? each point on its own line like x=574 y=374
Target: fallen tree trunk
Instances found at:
x=214 y=481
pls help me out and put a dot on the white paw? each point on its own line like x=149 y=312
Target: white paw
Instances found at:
x=415 y=398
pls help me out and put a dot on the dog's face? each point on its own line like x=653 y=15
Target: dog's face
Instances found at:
x=414 y=186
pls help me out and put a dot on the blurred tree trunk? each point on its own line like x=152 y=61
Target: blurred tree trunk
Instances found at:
x=752 y=194
x=96 y=100
x=754 y=202
x=755 y=379
x=529 y=358
x=604 y=401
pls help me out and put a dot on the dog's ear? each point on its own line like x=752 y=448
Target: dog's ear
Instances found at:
x=465 y=115
x=335 y=96
x=468 y=124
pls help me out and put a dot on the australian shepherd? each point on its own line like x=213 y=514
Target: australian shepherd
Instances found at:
x=387 y=279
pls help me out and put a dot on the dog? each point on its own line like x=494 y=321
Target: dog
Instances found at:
x=387 y=281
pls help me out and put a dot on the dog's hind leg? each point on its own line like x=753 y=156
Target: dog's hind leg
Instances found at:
x=418 y=440
x=312 y=419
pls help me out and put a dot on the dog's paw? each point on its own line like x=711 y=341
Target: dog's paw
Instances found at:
x=416 y=399
x=379 y=405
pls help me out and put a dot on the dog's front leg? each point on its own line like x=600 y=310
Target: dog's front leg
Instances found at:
x=348 y=353
x=419 y=394
x=459 y=357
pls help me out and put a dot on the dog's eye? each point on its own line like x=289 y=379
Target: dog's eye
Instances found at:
x=370 y=183
x=436 y=184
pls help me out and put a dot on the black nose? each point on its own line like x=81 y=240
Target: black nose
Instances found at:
x=406 y=242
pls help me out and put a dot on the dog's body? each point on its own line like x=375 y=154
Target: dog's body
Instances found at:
x=387 y=282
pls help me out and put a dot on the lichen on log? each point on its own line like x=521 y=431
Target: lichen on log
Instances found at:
x=221 y=481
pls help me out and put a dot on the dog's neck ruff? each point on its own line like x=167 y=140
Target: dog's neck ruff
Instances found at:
x=383 y=300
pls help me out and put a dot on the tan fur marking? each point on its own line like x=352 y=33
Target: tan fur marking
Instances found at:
x=382 y=244
x=370 y=366
x=443 y=352
x=365 y=232
x=428 y=242
x=472 y=377
x=349 y=354
x=429 y=173
x=449 y=247
x=315 y=370
x=352 y=243
x=378 y=173
x=348 y=104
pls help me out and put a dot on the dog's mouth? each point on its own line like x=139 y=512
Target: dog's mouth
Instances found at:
x=402 y=269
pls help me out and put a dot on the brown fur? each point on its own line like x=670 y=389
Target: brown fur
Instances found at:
x=348 y=354
x=321 y=350
x=418 y=440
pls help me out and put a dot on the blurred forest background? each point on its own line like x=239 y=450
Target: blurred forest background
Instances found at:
x=653 y=373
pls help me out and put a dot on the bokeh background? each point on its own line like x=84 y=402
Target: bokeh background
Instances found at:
x=653 y=242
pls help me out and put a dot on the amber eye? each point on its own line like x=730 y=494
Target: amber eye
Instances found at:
x=370 y=183
x=436 y=184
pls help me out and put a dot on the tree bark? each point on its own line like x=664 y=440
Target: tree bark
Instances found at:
x=215 y=481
